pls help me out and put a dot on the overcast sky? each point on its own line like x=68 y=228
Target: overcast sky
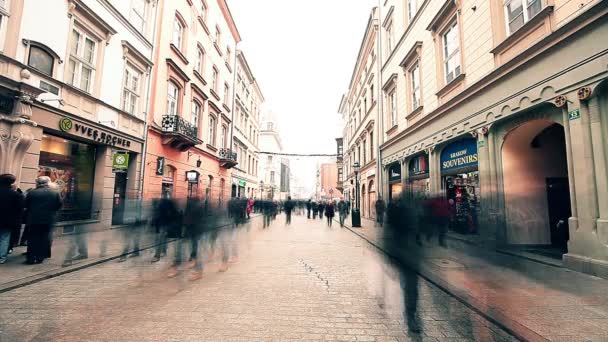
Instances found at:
x=302 y=54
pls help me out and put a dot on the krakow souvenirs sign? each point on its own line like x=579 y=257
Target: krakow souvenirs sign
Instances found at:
x=460 y=154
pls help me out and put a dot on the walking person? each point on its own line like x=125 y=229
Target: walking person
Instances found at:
x=380 y=209
x=164 y=219
x=41 y=205
x=11 y=207
x=289 y=205
x=308 y=208
x=315 y=209
x=321 y=209
x=342 y=210
x=329 y=213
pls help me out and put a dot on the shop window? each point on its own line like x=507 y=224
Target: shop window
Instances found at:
x=71 y=167
x=168 y=181
x=41 y=60
x=81 y=64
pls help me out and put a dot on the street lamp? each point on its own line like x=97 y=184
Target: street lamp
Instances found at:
x=356 y=213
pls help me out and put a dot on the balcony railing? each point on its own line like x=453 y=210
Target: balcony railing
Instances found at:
x=179 y=133
x=227 y=158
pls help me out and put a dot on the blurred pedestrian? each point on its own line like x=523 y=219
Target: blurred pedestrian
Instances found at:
x=11 y=207
x=165 y=217
x=380 y=209
x=308 y=208
x=329 y=213
x=250 y=204
x=289 y=205
x=321 y=209
x=41 y=206
x=315 y=209
x=342 y=210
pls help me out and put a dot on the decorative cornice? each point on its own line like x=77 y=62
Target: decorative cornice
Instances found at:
x=182 y=74
x=411 y=54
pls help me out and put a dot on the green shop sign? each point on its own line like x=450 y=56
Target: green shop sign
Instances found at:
x=242 y=183
x=120 y=161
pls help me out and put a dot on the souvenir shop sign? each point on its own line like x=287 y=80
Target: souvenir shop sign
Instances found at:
x=67 y=125
x=460 y=154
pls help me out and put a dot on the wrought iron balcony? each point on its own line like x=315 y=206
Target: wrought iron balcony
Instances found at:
x=179 y=133
x=227 y=158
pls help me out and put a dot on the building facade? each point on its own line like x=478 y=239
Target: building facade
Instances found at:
x=73 y=95
x=190 y=117
x=327 y=185
x=248 y=101
x=502 y=106
x=360 y=109
x=270 y=162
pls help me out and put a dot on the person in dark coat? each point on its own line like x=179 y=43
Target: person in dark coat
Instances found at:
x=41 y=205
x=380 y=209
x=329 y=213
x=308 y=208
x=321 y=209
x=11 y=207
x=167 y=222
x=315 y=209
x=289 y=205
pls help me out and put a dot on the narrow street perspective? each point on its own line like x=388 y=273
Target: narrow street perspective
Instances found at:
x=299 y=282
x=280 y=170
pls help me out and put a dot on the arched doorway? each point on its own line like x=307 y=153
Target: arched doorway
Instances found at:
x=363 y=201
x=535 y=179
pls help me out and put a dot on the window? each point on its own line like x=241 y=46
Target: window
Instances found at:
x=41 y=60
x=228 y=54
x=130 y=90
x=365 y=104
x=211 y=137
x=371 y=94
x=204 y=10
x=223 y=135
x=412 y=8
x=451 y=52
x=226 y=93
x=392 y=107
x=415 y=86
x=390 y=39
x=518 y=12
x=172 y=98
x=138 y=14
x=215 y=79
x=81 y=65
x=371 y=145
x=196 y=114
x=178 y=33
x=200 y=60
x=271 y=176
x=364 y=152
x=269 y=159
x=218 y=36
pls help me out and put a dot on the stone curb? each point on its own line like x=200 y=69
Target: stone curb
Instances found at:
x=12 y=285
x=509 y=325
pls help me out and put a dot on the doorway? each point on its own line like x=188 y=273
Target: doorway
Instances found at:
x=535 y=171
x=119 y=203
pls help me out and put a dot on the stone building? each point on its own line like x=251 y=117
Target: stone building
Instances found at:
x=502 y=106
x=270 y=163
x=248 y=100
x=360 y=109
x=190 y=117
x=74 y=80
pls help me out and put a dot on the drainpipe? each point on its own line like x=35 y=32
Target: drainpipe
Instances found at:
x=145 y=146
x=380 y=97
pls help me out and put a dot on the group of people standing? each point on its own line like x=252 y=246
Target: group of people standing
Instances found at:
x=328 y=210
x=36 y=208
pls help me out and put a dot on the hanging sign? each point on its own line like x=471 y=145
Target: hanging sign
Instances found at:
x=460 y=154
x=120 y=162
x=160 y=166
x=242 y=183
x=192 y=176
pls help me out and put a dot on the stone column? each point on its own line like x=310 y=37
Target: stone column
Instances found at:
x=601 y=174
x=434 y=170
x=405 y=175
x=485 y=187
x=16 y=136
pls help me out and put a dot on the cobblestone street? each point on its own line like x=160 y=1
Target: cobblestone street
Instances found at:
x=301 y=282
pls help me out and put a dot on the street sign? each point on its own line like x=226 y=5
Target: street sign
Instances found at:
x=331 y=191
x=574 y=114
x=481 y=143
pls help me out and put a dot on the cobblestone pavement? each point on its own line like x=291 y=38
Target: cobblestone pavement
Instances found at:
x=301 y=282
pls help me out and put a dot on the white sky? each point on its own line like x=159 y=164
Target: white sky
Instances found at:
x=302 y=54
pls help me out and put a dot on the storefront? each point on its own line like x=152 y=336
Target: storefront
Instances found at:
x=460 y=182
x=395 y=188
x=81 y=158
x=418 y=175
